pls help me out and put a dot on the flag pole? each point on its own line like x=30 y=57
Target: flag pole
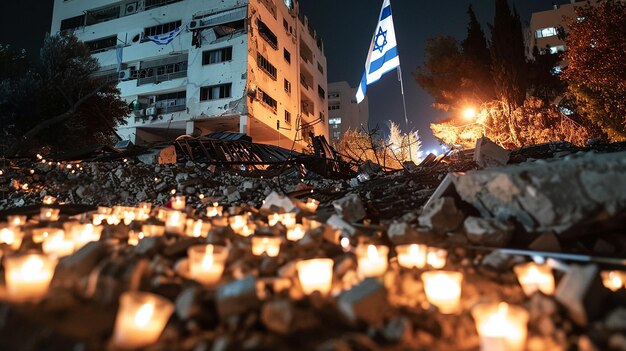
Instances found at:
x=406 y=119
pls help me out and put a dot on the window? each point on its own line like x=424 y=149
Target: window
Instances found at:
x=321 y=92
x=546 y=32
x=556 y=49
x=102 y=44
x=217 y=56
x=287 y=86
x=73 y=22
x=287 y=117
x=215 y=92
x=320 y=68
x=333 y=95
x=161 y=28
x=266 y=66
x=267 y=100
x=336 y=135
x=161 y=70
x=334 y=106
x=102 y=15
x=287 y=55
x=266 y=33
x=322 y=117
x=334 y=121
x=285 y=25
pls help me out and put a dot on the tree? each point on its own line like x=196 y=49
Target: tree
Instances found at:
x=478 y=62
x=596 y=73
x=403 y=147
x=61 y=103
x=508 y=59
x=442 y=71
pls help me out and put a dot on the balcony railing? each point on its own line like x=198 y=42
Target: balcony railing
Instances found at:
x=156 y=79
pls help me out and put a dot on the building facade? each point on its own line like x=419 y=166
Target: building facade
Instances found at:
x=343 y=111
x=547 y=27
x=202 y=66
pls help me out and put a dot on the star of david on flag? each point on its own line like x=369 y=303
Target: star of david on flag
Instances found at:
x=165 y=38
x=383 y=53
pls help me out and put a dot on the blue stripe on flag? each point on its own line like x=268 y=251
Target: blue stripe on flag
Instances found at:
x=363 y=84
x=386 y=13
x=389 y=55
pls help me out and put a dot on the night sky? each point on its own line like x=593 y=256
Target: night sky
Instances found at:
x=346 y=27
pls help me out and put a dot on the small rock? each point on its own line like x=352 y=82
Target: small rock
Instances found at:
x=582 y=293
x=366 y=302
x=489 y=232
x=350 y=208
x=441 y=215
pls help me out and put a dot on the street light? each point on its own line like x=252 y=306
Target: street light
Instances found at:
x=469 y=113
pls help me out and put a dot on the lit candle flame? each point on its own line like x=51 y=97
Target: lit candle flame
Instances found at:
x=144 y=313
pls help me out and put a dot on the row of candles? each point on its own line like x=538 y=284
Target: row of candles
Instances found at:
x=142 y=316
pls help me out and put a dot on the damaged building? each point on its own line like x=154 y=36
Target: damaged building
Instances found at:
x=198 y=67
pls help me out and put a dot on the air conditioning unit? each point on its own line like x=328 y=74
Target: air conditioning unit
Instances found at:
x=125 y=74
x=131 y=8
x=151 y=111
x=195 y=24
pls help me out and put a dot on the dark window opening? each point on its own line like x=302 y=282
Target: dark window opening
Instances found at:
x=266 y=33
x=321 y=92
x=73 y=22
x=102 y=44
x=102 y=15
x=287 y=55
x=160 y=29
x=217 y=56
x=229 y=28
x=266 y=66
x=268 y=100
x=215 y=92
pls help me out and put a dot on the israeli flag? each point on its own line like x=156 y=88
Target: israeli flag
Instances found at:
x=383 y=53
x=165 y=38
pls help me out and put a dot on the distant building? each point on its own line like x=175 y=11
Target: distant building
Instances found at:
x=547 y=26
x=343 y=111
x=250 y=66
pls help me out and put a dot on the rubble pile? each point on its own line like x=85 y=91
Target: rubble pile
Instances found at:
x=414 y=260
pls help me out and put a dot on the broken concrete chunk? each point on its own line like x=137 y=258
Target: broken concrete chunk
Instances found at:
x=188 y=303
x=582 y=293
x=236 y=297
x=278 y=316
x=350 y=208
x=165 y=155
x=549 y=196
x=490 y=154
x=369 y=168
x=274 y=202
x=365 y=302
x=546 y=242
x=487 y=232
x=441 y=216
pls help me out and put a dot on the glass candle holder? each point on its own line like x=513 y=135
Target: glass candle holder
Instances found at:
x=175 y=222
x=412 y=256
x=311 y=204
x=214 y=211
x=153 y=230
x=49 y=200
x=49 y=214
x=296 y=233
x=501 y=327
x=84 y=233
x=237 y=222
x=315 y=275
x=197 y=228
x=273 y=219
x=28 y=277
x=135 y=237
x=40 y=234
x=57 y=244
x=11 y=236
x=140 y=320
x=16 y=220
x=206 y=263
x=443 y=290
x=372 y=260
x=247 y=230
x=145 y=206
x=104 y=210
x=266 y=244
x=534 y=277
x=178 y=203
x=613 y=280
x=310 y=224
x=288 y=220
x=436 y=258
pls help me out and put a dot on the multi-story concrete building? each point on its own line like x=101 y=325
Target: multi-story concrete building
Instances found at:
x=546 y=27
x=343 y=111
x=203 y=66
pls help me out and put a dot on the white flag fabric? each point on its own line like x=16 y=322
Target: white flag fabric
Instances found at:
x=165 y=38
x=383 y=53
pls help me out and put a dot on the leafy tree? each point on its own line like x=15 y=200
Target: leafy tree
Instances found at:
x=544 y=77
x=60 y=103
x=403 y=147
x=442 y=71
x=508 y=59
x=478 y=62
x=596 y=73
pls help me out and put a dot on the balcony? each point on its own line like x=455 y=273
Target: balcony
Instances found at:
x=156 y=79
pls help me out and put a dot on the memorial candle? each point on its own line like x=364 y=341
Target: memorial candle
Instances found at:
x=140 y=320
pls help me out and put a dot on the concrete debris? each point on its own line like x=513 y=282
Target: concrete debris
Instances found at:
x=488 y=232
x=365 y=302
x=547 y=242
x=159 y=156
x=350 y=208
x=489 y=154
x=276 y=202
x=550 y=196
x=582 y=293
x=442 y=216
